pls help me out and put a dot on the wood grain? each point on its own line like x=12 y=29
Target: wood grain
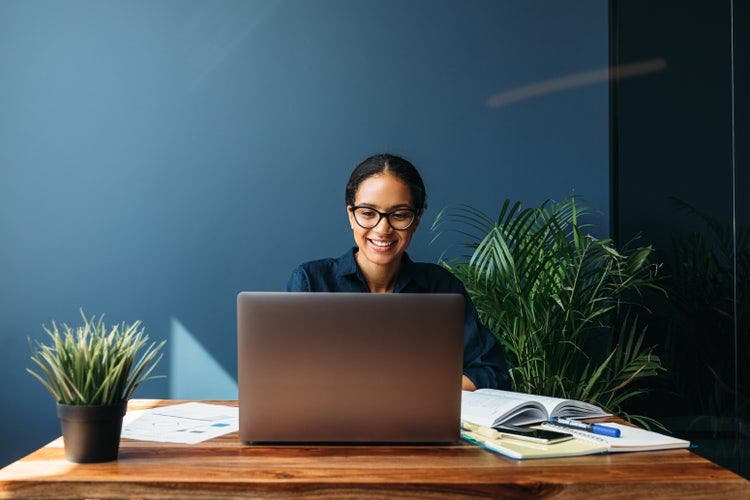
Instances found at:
x=225 y=468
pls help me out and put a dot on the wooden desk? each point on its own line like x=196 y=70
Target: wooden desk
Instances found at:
x=225 y=468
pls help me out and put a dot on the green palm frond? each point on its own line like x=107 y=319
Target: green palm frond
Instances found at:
x=545 y=287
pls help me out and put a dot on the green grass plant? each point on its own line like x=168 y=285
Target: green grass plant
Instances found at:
x=92 y=364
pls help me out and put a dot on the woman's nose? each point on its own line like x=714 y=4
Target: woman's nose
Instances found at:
x=383 y=225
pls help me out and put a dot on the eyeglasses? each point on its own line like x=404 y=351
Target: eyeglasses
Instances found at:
x=399 y=219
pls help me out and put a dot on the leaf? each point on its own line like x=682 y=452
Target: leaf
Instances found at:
x=545 y=288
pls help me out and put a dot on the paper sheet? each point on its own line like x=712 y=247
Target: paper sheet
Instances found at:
x=187 y=423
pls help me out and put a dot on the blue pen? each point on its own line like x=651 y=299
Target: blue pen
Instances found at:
x=594 y=428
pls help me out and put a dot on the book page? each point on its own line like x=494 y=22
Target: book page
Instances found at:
x=489 y=409
x=555 y=407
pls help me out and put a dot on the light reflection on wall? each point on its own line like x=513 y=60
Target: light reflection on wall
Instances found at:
x=566 y=82
x=193 y=372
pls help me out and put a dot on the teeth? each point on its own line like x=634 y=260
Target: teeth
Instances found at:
x=381 y=243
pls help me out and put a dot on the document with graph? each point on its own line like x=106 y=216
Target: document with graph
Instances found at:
x=188 y=423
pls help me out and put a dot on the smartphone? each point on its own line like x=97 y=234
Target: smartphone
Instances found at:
x=534 y=435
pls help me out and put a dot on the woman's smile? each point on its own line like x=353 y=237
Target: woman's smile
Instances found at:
x=382 y=245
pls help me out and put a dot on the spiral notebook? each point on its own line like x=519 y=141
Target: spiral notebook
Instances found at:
x=631 y=438
x=584 y=443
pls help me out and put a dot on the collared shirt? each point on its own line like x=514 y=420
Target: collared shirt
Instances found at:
x=484 y=363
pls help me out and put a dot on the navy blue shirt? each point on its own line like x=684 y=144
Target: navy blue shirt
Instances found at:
x=484 y=363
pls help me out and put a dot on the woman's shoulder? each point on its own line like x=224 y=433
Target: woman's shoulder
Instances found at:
x=306 y=277
x=326 y=263
x=329 y=264
x=315 y=269
x=323 y=275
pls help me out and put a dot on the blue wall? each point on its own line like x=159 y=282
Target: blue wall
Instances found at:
x=157 y=157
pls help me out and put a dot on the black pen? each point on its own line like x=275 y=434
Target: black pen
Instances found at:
x=594 y=428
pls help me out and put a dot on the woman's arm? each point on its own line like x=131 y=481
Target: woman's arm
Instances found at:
x=484 y=359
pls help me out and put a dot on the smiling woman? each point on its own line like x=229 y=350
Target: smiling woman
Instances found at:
x=385 y=198
x=383 y=218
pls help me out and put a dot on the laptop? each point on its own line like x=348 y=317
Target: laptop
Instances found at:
x=349 y=367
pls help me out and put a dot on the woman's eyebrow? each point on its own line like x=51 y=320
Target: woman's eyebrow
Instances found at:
x=391 y=208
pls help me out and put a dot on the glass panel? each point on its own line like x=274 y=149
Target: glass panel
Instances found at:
x=675 y=177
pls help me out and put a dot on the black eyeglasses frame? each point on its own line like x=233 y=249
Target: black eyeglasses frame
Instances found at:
x=387 y=215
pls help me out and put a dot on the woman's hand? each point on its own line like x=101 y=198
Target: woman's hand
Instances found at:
x=467 y=384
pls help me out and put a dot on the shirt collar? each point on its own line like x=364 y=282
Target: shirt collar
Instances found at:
x=346 y=265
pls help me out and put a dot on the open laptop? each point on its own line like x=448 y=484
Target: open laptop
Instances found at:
x=349 y=367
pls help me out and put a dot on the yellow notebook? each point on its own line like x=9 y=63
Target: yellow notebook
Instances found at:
x=520 y=450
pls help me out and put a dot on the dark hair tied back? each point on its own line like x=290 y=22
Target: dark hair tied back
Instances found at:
x=395 y=165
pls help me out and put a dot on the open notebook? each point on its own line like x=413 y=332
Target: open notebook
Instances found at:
x=521 y=450
x=631 y=438
x=583 y=443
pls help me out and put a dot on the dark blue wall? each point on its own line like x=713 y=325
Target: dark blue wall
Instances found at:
x=157 y=157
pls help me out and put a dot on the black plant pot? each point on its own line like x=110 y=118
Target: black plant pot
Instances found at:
x=91 y=433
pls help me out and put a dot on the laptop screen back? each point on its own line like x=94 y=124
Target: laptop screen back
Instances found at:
x=349 y=367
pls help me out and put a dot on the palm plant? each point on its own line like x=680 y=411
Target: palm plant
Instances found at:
x=93 y=365
x=547 y=291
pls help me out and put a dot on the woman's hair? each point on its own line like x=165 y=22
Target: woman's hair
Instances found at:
x=394 y=165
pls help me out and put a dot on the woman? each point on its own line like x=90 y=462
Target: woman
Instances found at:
x=385 y=198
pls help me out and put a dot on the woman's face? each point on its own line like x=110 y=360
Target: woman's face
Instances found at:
x=382 y=245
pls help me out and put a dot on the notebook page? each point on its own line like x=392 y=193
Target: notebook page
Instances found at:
x=631 y=438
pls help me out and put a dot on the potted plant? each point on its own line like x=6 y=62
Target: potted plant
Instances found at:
x=91 y=371
x=553 y=295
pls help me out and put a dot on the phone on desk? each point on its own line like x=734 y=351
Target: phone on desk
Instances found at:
x=534 y=435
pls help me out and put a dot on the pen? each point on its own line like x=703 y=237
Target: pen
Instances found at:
x=594 y=428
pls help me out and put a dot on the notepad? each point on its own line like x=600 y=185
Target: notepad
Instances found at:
x=631 y=438
x=522 y=450
x=583 y=443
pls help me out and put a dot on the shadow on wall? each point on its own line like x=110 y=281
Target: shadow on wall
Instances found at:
x=193 y=372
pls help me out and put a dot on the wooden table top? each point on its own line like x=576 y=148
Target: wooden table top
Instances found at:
x=225 y=468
